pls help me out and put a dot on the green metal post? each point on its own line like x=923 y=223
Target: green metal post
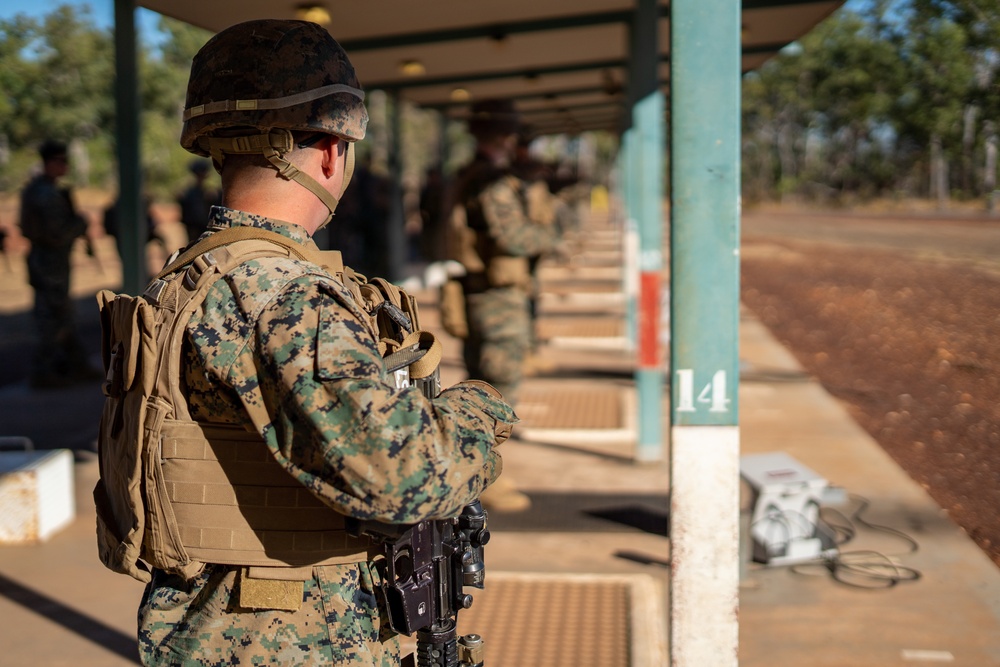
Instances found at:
x=444 y=145
x=647 y=177
x=131 y=220
x=630 y=235
x=705 y=167
x=396 y=224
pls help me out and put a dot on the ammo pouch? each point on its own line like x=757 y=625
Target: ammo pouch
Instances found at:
x=174 y=493
x=452 y=305
x=476 y=252
x=508 y=271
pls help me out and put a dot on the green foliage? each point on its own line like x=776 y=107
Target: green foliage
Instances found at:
x=853 y=108
x=57 y=81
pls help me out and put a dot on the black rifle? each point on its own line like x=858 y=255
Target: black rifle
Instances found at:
x=426 y=567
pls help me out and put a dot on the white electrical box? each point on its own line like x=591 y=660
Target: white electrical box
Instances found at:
x=785 y=525
x=36 y=495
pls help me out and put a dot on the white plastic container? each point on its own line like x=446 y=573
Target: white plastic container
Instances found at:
x=785 y=525
x=36 y=495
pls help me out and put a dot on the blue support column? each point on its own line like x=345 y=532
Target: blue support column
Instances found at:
x=132 y=226
x=704 y=512
x=646 y=147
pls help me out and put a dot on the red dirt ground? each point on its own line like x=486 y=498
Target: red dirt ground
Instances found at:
x=909 y=340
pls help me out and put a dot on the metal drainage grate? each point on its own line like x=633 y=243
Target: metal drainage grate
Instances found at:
x=546 y=621
x=560 y=408
x=581 y=328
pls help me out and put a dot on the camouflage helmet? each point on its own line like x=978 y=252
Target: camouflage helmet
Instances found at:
x=272 y=74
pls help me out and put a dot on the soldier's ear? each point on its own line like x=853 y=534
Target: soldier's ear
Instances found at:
x=332 y=148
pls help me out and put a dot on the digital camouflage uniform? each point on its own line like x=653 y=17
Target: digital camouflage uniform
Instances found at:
x=498 y=315
x=49 y=221
x=280 y=346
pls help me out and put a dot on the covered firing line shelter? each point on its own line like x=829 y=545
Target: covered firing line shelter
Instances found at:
x=573 y=67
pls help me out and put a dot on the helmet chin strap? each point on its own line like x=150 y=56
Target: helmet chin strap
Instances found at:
x=348 y=173
x=273 y=145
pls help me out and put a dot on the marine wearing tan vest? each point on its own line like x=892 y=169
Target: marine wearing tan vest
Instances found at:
x=176 y=493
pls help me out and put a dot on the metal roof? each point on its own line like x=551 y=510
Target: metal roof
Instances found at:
x=565 y=63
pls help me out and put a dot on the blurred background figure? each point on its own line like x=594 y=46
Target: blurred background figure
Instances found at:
x=4 y=260
x=112 y=223
x=49 y=220
x=432 y=230
x=197 y=199
x=493 y=236
x=542 y=208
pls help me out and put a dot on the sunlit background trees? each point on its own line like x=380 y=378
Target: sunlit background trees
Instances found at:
x=885 y=99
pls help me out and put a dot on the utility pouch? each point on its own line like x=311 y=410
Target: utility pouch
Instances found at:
x=506 y=271
x=130 y=362
x=539 y=203
x=452 y=304
x=462 y=242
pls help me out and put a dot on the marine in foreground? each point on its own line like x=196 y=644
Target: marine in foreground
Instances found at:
x=261 y=394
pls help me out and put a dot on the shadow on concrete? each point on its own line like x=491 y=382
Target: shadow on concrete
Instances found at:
x=89 y=628
x=52 y=418
x=17 y=338
x=627 y=457
x=589 y=512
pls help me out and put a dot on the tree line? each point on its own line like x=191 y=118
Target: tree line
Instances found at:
x=898 y=99
x=57 y=81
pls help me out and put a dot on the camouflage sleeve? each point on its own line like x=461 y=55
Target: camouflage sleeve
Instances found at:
x=514 y=232
x=334 y=419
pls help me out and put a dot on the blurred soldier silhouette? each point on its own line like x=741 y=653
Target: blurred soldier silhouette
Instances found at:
x=493 y=236
x=196 y=201
x=50 y=221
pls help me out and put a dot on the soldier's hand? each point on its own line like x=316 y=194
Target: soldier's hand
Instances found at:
x=493 y=467
x=491 y=402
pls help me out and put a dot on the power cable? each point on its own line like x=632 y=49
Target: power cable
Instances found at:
x=865 y=569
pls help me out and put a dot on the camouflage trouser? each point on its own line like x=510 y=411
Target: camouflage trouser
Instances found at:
x=200 y=624
x=499 y=337
x=58 y=350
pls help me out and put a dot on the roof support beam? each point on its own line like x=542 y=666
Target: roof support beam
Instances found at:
x=535 y=72
x=538 y=94
x=496 y=31
x=499 y=31
x=531 y=73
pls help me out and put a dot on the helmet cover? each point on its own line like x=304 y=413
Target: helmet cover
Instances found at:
x=272 y=74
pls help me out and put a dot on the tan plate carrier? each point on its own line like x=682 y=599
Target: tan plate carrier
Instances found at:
x=176 y=494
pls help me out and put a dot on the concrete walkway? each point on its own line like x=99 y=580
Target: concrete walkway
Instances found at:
x=587 y=568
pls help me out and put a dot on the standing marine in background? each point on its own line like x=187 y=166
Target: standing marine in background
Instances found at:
x=274 y=413
x=49 y=220
x=197 y=200
x=543 y=208
x=493 y=237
